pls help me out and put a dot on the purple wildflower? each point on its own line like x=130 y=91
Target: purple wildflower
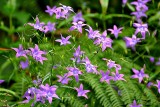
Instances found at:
x=141 y=5
x=50 y=10
x=77 y=55
x=139 y=14
x=139 y=74
x=112 y=64
x=117 y=76
x=37 y=54
x=1 y=81
x=115 y=31
x=106 y=77
x=124 y=2
x=49 y=27
x=63 y=41
x=149 y=84
x=63 y=79
x=131 y=42
x=37 y=82
x=82 y=92
x=158 y=62
x=104 y=41
x=20 y=51
x=134 y=104
x=66 y=9
x=142 y=28
x=91 y=33
x=151 y=59
x=78 y=17
x=59 y=13
x=49 y=92
x=158 y=85
x=89 y=66
x=38 y=25
x=24 y=64
x=77 y=25
x=73 y=71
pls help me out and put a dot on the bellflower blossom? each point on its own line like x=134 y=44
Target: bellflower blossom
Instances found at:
x=106 y=77
x=92 y=34
x=115 y=31
x=117 y=76
x=59 y=13
x=131 y=42
x=50 y=10
x=63 y=40
x=24 y=64
x=49 y=27
x=112 y=64
x=158 y=85
x=20 y=51
x=73 y=71
x=140 y=5
x=66 y=9
x=38 y=25
x=77 y=25
x=104 y=41
x=139 y=74
x=63 y=79
x=134 y=104
x=78 y=17
x=82 y=92
x=77 y=55
x=89 y=66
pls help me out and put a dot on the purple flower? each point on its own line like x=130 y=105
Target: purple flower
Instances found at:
x=82 y=92
x=142 y=28
x=38 y=25
x=77 y=25
x=115 y=31
x=158 y=62
x=49 y=27
x=36 y=53
x=20 y=51
x=141 y=5
x=63 y=79
x=134 y=104
x=77 y=55
x=149 y=84
x=104 y=41
x=73 y=71
x=158 y=85
x=89 y=66
x=24 y=64
x=92 y=34
x=66 y=9
x=139 y=14
x=63 y=41
x=49 y=92
x=117 y=76
x=112 y=64
x=151 y=59
x=78 y=17
x=50 y=10
x=59 y=13
x=37 y=82
x=139 y=74
x=1 y=81
x=124 y=2
x=106 y=77
x=131 y=42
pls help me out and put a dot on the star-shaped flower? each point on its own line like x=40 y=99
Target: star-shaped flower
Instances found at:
x=24 y=64
x=142 y=28
x=140 y=5
x=77 y=55
x=82 y=92
x=50 y=10
x=117 y=76
x=63 y=79
x=139 y=74
x=158 y=85
x=92 y=34
x=77 y=25
x=63 y=40
x=20 y=51
x=49 y=27
x=115 y=31
x=106 y=77
x=134 y=104
x=73 y=71
x=78 y=17
x=66 y=9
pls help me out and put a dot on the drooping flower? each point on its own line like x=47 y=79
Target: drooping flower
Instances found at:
x=20 y=51
x=82 y=92
x=1 y=81
x=92 y=34
x=131 y=42
x=78 y=17
x=49 y=27
x=89 y=66
x=50 y=10
x=73 y=71
x=115 y=31
x=134 y=104
x=106 y=77
x=158 y=85
x=36 y=53
x=38 y=25
x=77 y=25
x=117 y=76
x=139 y=74
x=63 y=40
x=63 y=79
x=24 y=64
x=142 y=28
